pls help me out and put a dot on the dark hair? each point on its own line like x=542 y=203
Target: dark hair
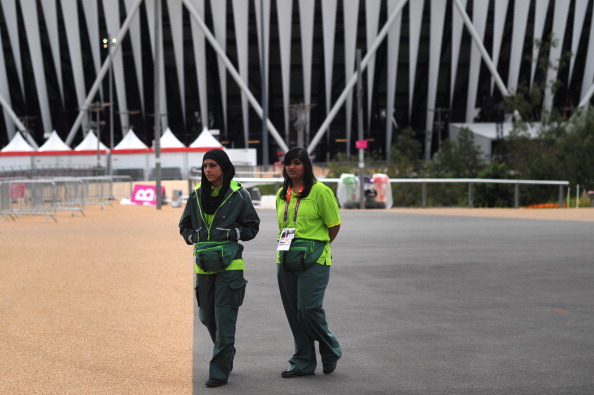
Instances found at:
x=308 y=177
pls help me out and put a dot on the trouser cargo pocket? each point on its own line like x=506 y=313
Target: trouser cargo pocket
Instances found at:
x=231 y=290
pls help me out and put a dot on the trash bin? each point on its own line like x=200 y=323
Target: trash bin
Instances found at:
x=176 y=198
x=381 y=185
x=347 y=192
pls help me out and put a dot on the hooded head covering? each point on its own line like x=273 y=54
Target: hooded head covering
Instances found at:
x=211 y=203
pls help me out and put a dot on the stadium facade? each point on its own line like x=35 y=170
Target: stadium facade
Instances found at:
x=424 y=63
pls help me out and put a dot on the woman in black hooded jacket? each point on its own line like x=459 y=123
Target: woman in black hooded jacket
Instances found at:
x=218 y=214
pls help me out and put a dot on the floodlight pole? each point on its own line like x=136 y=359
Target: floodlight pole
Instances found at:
x=265 y=158
x=157 y=142
x=360 y=127
x=107 y=43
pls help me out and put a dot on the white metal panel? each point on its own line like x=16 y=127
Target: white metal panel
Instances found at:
x=329 y=32
x=521 y=10
x=540 y=15
x=5 y=93
x=51 y=23
x=200 y=59
x=266 y=13
x=438 y=10
x=479 y=20
x=219 y=16
x=498 y=26
x=351 y=13
x=150 y=12
x=579 y=16
x=306 y=17
x=416 y=19
x=372 y=13
x=10 y=18
x=284 y=14
x=457 y=25
x=175 y=17
x=134 y=35
x=588 y=80
x=91 y=13
x=559 y=25
x=70 y=13
x=392 y=72
x=29 y=8
x=240 y=15
x=112 y=12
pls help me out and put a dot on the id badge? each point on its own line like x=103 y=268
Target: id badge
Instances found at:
x=286 y=237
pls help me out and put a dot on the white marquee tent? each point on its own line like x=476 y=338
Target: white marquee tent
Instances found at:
x=130 y=156
x=18 y=144
x=17 y=153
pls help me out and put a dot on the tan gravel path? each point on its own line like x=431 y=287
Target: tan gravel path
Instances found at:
x=100 y=304
x=103 y=303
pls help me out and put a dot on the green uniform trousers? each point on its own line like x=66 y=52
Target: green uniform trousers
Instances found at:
x=219 y=296
x=302 y=294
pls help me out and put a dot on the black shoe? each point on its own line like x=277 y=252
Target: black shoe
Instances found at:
x=288 y=373
x=215 y=383
x=329 y=367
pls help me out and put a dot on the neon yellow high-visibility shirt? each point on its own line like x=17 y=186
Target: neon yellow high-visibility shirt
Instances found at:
x=316 y=213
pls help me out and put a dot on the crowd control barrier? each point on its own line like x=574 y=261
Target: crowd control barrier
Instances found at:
x=47 y=196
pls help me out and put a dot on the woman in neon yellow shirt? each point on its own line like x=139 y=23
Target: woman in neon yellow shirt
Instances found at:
x=308 y=221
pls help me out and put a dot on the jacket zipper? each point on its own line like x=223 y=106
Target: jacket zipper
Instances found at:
x=214 y=215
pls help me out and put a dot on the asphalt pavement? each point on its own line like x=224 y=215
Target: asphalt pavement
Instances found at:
x=428 y=304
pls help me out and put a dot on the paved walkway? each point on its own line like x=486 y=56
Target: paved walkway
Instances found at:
x=430 y=304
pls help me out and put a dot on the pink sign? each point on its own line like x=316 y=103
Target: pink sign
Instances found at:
x=361 y=144
x=145 y=194
x=17 y=191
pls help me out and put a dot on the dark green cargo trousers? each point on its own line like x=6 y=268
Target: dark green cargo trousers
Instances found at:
x=302 y=294
x=219 y=296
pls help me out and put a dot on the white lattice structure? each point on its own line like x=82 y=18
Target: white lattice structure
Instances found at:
x=419 y=56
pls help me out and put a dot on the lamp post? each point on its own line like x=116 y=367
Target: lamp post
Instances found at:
x=157 y=143
x=360 y=129
x=97 y=107
x=107 y=44
x=265 y=158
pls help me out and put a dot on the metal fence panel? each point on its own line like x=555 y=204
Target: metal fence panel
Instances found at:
x=28 y=197
x=70 y=195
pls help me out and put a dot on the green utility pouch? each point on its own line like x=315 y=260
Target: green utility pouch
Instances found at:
x=302 y=254
x=215 y=256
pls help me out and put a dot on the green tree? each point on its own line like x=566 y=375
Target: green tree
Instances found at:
x=575 y=151
x=405 y=162
x=405 y=155
x=461 y=158
x=494 y=195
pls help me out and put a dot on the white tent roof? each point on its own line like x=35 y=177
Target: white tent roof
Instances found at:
x=54 y=143
x=18 y=144
x=168 y=140
x=206 y=140
x=130 y=141
x=89 y=143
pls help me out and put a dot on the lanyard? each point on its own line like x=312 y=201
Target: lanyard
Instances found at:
x=296 y=205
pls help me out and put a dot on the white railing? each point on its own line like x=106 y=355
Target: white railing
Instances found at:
x=425 y=181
